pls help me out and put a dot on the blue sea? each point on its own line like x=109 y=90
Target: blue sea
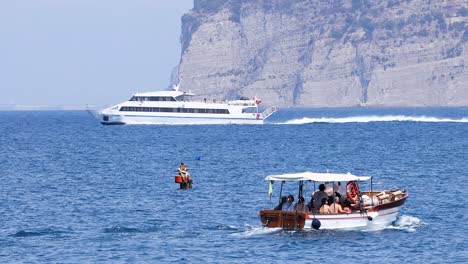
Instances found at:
x=74 y=191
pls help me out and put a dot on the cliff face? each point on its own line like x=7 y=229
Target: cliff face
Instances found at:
x=328 y=53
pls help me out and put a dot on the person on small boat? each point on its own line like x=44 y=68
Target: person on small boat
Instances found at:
x=339 y=189
x=336 y=206
x=324 y=207
x=310 y=204
x=301 y=206
x=319 y=195
x=284 y=199
x=183 y=172
x=347 y=206
x=328 y=190
x=186 y=178
x=288 y=205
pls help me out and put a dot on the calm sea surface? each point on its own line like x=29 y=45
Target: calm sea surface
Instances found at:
x=72 y=190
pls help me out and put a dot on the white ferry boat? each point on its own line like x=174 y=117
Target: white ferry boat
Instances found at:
x=176 y=107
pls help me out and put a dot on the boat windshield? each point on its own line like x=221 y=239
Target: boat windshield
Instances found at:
x=152 y=98
x=184 y=97
x=251 y=109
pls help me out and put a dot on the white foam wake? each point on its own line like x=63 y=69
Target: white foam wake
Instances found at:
x=406 y=222
x=367 y=119
x=248 y=231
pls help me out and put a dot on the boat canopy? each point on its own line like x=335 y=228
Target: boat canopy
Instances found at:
x=317 y=177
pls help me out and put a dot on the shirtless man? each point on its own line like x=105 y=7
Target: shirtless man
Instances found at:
x=325 y=208
x=336 y=207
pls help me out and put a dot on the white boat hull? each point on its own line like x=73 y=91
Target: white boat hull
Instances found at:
x=176 y=108
x=355 y=221
x=175 y=120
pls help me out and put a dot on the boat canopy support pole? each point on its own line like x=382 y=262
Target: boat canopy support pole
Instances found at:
x=281 y=192
x=301 y=185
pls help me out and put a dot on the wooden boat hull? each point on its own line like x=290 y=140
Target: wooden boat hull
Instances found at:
x=283 y=219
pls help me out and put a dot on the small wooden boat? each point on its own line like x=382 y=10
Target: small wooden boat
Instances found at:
x=370 y=209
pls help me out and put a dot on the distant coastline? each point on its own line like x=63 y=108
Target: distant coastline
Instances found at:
x=13 y=107
x=18 y=107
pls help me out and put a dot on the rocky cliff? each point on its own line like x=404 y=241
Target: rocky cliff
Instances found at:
x=328 y=53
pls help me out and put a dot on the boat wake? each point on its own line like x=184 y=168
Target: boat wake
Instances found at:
x=406 y=222
x=368 y=119
x=249 y=231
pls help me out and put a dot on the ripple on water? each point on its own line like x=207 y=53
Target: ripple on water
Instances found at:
x=39 y=232
x=122 y=229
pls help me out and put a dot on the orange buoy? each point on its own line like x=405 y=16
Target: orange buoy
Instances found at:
x=352 y=191
x=178 y=179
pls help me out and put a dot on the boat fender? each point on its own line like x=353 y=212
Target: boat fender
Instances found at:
x=316 y=224
x=352 y=190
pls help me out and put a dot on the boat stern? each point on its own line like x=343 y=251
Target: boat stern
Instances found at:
x=283 y=219
x=268 y=112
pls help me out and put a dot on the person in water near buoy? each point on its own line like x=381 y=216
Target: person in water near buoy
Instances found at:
x=182 y=168
x=186 y=178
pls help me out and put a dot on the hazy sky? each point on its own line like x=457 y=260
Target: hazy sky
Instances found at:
x=68 y=52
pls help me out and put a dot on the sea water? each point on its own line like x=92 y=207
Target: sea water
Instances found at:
x=73 y=190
